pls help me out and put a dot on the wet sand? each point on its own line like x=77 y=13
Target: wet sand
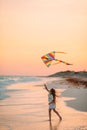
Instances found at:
x=26 y=108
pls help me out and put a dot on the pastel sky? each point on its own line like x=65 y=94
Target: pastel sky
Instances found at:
x=32 y=28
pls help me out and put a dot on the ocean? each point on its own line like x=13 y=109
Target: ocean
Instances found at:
x=6 y=81
x=9 y=80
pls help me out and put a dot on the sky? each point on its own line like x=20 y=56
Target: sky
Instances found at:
x=32 y=28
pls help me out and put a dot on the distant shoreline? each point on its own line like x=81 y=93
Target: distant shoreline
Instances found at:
x=70 y=74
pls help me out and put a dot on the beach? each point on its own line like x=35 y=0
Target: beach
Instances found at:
x=24 y=106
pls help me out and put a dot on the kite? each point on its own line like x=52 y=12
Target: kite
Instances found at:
x=48 y=58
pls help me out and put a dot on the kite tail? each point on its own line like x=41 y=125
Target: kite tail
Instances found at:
x=60 y=52
x=60 y=61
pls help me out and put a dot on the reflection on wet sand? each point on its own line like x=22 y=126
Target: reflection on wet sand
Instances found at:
x=54 y=126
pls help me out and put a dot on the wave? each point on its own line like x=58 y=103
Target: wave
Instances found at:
x=9 y=80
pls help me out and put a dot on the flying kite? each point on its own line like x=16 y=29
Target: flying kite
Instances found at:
x=48 y=58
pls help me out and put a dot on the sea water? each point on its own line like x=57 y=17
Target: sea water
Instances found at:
x=10 y=80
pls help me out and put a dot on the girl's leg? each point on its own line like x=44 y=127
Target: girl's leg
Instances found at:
x=50 y=114
x=57 y=114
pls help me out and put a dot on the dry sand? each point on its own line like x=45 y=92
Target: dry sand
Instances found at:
x=80 y=82
x=26 y=108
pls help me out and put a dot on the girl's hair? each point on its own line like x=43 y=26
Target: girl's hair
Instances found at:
x=53 y=92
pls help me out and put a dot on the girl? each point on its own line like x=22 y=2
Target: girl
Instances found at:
x=52 y=102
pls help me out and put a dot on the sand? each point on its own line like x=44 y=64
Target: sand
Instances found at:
x=26 y=108
x=80 y=82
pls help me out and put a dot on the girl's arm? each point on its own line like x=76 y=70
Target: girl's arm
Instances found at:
x=46 y=87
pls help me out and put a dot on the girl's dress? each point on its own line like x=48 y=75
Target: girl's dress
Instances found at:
x=50 y=99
